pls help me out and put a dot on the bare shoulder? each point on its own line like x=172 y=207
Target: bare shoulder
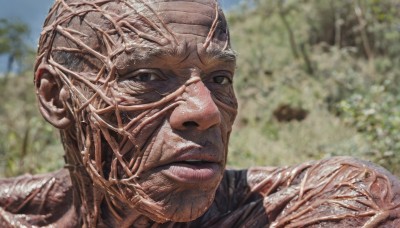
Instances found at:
x=35 y=199
x=334 y=192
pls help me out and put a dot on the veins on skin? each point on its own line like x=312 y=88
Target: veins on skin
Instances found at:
x=101 y=102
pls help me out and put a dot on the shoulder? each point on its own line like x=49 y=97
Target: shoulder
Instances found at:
x=334 y=192
x=35 y=199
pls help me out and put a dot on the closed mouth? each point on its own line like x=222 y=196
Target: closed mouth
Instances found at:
x=193 y=165
x=192 y=171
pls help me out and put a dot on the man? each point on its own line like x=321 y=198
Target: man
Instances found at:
x=142 y=94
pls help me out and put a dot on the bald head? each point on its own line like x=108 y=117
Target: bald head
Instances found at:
x=133 y=27
x=194 y=20
x=142 y=92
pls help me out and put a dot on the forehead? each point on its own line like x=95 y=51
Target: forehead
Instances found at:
x=193 y=28
x=85 y=36
x=191 y=20
x=188 y=18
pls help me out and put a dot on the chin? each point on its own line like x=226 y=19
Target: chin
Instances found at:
x=178 y=202
x=188 y=206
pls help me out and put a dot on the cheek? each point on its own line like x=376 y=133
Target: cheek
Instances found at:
x=227 y=103
x=228 y=114
x=144 y=136
x=153 y=150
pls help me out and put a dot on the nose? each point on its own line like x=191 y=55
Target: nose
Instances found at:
x=197 y=111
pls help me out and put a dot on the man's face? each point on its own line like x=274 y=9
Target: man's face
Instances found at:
x=184 y=132
x=184 y=149
x=154 y=103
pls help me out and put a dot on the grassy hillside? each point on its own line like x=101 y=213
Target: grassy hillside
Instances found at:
x=337 y=61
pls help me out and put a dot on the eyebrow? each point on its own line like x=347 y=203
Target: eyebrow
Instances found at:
x=148 y=53
x=222 y=55
x=228 y=55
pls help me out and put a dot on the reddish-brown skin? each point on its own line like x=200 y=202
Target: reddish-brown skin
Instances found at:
x=142 y=94
x=336 y=192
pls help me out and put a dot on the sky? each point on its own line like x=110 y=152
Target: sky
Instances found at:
x=33 y=13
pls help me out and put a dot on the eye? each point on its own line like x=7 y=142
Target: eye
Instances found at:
x=145 y=75
x=222 y=80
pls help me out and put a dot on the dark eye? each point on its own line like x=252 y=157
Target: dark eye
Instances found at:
x=222 y=80
x=144 y=75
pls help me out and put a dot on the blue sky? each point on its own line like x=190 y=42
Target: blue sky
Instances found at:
x=33 y=13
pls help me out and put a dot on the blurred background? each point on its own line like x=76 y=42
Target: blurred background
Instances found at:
x=315 y=79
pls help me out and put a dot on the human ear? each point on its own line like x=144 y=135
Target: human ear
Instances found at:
x=52 y=97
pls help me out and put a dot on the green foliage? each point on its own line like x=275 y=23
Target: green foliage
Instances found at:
x=337 y=59
x=375 y=113
x=28 y=144
x=13 y=45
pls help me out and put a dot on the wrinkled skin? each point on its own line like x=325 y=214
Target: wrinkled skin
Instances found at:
x=197 y=128
x=142 y=94
x=156 y=142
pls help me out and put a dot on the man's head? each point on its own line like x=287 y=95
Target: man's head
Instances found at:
x=142 y=92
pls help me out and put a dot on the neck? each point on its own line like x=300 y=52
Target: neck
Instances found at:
x=83 y=191
x=125 y=218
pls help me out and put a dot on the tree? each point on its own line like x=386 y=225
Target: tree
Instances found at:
x=13 y=43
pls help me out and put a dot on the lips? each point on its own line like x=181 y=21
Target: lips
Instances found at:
x=193 y=165
x=192 y=173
